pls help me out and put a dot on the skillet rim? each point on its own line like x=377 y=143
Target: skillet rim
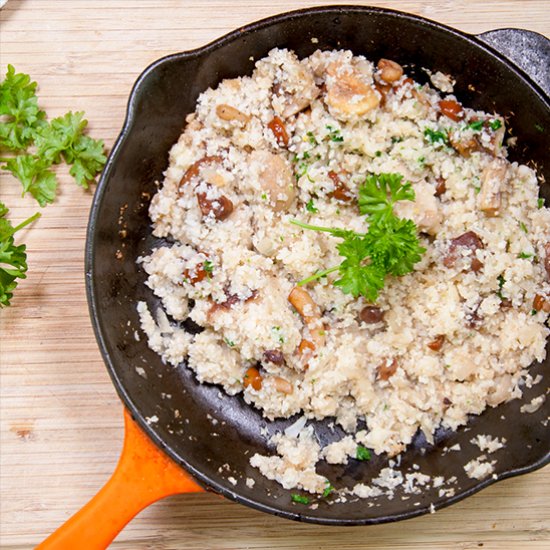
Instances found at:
x=210 y=483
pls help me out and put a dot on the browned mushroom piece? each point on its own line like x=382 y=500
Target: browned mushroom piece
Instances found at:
x=473 y=319
x=195 y=274
x=282 y=385
x=274 y=356
x=440 y=186
x=464 y=146
x=229 y=113
x=230 y=301
x=371 y=315
x=276 y=179
x=278 y=129
x=220 y=208
x=194 y=170
x=297 y=92
x=389 y=71
x=493 y=179
x=253 y=378
x=447 y=402
x=383 y=90
x=387 y=369
x=437 y=343
x=451 y=109
x=469 y=241
x=310 y=313
x=340 y=192
x=540 y=303
x=347 y=94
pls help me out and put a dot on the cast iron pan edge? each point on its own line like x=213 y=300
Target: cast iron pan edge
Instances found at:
x=137 y=413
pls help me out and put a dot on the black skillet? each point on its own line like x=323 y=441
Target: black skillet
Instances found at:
x=119 y=231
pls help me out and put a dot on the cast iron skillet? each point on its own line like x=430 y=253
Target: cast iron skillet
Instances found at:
x=119 y=231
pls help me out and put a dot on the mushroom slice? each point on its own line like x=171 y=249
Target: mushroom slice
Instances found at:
x=275 y=177
x=347 y=94
x=493 y=178
x=310 y=313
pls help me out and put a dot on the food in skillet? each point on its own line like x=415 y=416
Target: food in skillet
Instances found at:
x=355 y=246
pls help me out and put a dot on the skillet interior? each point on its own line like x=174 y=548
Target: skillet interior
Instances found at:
x=119 y=232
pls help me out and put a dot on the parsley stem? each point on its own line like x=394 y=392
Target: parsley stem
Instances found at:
x=308 y=226
x=318 y=275
x=26 y=222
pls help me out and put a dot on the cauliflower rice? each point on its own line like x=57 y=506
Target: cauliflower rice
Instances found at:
x=294 y=141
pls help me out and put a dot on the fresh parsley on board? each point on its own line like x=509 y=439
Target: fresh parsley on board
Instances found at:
x=33 y=145
x=390 y=246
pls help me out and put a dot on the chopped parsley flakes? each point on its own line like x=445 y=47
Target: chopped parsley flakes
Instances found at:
x=334 y=134
x=362 y=453
x=310 y=207
x=300 y=499
x=436 y=136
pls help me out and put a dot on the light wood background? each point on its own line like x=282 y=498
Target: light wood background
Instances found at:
x=61 y=421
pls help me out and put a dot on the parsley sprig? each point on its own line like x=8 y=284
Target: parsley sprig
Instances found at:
x=30 y=147
x=13 y=259
x=38 y=145
x=390 y=246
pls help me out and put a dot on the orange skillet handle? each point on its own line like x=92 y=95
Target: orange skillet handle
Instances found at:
x=144 y=474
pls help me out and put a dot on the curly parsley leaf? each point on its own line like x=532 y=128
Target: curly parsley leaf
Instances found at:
x=362 y=453
x=394 y=245
x=300 y=499
x=59 y=136
x=35 y=176
x=436 y=136
x=390 y=246
x=380 y=192
x=87 y=159
x=356 y=277
x=13 y=259
x=19 y=107
x=64 y=137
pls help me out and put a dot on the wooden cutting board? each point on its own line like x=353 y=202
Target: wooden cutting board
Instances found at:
x=61 y=421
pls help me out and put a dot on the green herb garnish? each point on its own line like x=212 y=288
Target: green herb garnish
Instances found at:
x=436 y=136
x=476 y=125
x=362 y=453
x=523 y=227
x=312 y=139
x=495 y=124
x=208 y=266
x=310 y=207
x=534 y=312
x=390 y=247
x=230 y=343
x=539 y=128
x=334 y=134
x=300 y=499
x=525 y=255
x=328 y=489
x=24 y=125
x=501 y=280
x=540 y=202
x=13 y=259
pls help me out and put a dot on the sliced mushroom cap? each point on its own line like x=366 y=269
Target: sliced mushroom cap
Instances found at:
x=424 y=210
x=229 y=113
x=310 y=313
x=275 y=177
x=195 y=169
x=347 y=94
x=295 y=94
x=493 y=178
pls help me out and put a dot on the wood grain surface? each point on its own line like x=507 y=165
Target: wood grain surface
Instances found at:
x=61 y=421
